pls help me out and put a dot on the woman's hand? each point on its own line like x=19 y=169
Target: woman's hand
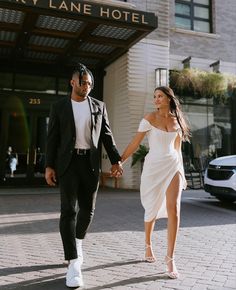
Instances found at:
x=117 y=169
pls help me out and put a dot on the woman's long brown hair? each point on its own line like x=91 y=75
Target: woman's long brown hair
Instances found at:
x=175 y=109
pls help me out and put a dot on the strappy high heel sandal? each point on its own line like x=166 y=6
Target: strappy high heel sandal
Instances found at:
x=150 y=259
x=174 y=274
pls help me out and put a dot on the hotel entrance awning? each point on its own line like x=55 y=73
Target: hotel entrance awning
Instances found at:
x=60 y=33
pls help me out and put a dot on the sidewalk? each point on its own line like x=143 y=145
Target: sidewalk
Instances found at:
x=31 y=255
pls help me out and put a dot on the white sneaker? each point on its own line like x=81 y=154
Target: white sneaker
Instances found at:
x=74 y=276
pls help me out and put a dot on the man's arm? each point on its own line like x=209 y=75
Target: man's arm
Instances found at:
x=53 y=140
x=110 y=146
x=108 y=139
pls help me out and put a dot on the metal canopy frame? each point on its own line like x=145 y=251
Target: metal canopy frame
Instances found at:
x=59 y=34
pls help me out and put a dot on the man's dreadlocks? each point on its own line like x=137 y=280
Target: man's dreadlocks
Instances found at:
x=81 y=70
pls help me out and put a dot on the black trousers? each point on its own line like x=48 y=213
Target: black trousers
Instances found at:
x=78 y=187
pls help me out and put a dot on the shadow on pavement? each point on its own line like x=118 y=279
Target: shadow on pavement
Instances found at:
x=128 y=216
x=27 y=269
x=135 y=280
x=115 y=264
x=57 y=282
x=211 y=201
x=115 y=211
x=29 y=203
x=33 y=227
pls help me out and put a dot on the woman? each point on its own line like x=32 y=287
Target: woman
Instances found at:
x=162 y=177
x=13 y=163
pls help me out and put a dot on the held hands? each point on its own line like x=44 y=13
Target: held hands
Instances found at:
x=50 y=176
x=117 y=169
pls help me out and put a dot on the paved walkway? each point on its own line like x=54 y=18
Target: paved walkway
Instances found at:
x=31 y=256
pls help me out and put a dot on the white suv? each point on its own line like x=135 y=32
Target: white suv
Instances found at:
x=220 y=178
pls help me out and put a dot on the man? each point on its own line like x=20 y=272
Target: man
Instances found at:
x=77 y=126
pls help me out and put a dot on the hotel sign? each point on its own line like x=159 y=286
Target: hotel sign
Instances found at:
x=90 y=9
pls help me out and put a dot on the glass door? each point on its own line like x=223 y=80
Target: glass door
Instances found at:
x=18 y=143
x=25 y=147
x=39 y=145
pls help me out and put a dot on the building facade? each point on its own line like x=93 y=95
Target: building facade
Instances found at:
x=130 y=46
x=196 y=33
x=40 y=42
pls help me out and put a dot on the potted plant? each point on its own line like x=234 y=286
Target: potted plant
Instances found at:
x=139 y=155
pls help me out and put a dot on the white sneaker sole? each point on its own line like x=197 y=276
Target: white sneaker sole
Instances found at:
x=75 y=283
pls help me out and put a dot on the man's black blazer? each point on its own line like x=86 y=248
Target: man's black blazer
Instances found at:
x=62 y=136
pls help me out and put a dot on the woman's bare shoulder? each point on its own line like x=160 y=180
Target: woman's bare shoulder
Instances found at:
x=149 y=116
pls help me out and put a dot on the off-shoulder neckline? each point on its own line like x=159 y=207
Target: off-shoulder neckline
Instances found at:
x=176 y=131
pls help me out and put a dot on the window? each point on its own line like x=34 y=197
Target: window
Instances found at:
x=6 y=81
x=193 y=15
x=161 y=77
x=63 y=86
x=32 y=83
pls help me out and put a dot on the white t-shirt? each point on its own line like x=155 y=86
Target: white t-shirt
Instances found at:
x=82 y=117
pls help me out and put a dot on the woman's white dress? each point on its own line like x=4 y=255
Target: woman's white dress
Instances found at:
x=13 y=163
x=161 y=164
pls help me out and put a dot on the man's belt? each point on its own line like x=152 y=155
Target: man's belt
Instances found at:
x=82 y=151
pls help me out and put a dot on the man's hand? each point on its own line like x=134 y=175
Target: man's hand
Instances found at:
x=117 y=169
x=50 y=176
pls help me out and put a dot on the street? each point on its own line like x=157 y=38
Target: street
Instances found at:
x=31 y=255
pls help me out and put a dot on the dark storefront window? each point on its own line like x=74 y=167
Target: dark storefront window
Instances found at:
x=193 y=15
x=63 y=86
x=31 y=83
x=211 y=130
x=6 y=81
x=221 y=135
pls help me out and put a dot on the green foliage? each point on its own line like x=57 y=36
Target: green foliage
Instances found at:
x=211 y=84
x=202 y=84
x=139 y=155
